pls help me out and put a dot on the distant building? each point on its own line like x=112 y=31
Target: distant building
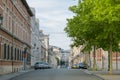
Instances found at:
x=44 y=45
x=15 y=35
x=54 y=56
x=56 y=51
x=35 y=40
x=102 y=59
x=76 y=55
x=65 y=57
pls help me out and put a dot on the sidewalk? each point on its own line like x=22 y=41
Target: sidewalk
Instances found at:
x=105 y=74
x=11 y=75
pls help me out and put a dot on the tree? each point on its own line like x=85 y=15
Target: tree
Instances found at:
x=107 y=13
x=82 y=27
x=96 y=22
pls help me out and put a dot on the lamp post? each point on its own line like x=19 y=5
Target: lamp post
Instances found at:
x=24 y=57
x=48 y=55
x=1 y=19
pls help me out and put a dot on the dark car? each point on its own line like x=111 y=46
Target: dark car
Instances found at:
x=82 y=66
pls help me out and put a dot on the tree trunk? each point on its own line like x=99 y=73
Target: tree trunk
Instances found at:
x=108 y=60
x=111 y=67
x=94 y=55
x=89 y=60
x=116 y=60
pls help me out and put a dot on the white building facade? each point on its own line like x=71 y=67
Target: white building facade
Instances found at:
x=35 y=41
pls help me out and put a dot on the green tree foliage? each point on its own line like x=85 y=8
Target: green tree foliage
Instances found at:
x=107 y=13
x=96 y=22
x=82 y=27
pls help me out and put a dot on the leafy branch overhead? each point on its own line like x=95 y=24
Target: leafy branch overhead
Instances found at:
x=94 y=22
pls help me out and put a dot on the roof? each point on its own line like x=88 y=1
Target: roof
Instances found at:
x=27 y=7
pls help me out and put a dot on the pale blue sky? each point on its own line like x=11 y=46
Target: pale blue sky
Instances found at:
x=52 y=15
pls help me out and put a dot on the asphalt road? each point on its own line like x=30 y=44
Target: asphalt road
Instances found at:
x=56 y=74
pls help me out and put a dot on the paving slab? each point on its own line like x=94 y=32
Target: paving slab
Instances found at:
x=105 y=74
x=11 y=75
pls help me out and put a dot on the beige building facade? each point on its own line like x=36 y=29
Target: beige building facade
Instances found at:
x=101 y=57
x=15 y=35
x=44 y=39
x=76 y=56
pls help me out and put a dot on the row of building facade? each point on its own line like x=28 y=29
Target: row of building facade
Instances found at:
x=102 y=58
x=22 y=43
x=15 y=33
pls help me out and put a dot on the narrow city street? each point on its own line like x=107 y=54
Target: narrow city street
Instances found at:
x=59 y=39
x=56 y=74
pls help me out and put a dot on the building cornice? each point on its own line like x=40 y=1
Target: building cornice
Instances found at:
x=27 y=7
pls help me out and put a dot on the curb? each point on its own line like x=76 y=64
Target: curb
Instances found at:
x=21 y=73
x=98 y=76
x=13 y=75
x=90 y=73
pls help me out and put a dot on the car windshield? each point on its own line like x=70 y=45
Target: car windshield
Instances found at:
x=39 y=62
x=81 y=64
x=46 y=63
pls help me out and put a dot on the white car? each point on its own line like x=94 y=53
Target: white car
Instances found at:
x=39 y=65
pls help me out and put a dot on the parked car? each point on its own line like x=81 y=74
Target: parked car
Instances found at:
x=74 y=66
x=41 y=65
x=47 y=66
x=82 y=66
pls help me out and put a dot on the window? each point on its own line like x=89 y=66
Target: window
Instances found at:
x=8 y=52
x=22 y=55
x=12 y=53
x=5 y=51
x=18 y=54
x=10 y=24
x=15 y=54
x=27 y=57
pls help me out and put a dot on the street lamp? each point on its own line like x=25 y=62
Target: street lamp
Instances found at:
x=1 y=18
x=24 y=57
